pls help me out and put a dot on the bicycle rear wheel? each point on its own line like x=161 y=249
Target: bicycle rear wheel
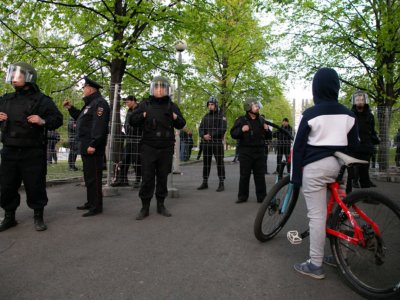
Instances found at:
x=275 y=210
x=372 y=270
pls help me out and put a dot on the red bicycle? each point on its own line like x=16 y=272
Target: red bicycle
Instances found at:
x=363 y=228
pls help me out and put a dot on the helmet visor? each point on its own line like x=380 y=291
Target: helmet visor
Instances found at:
x=360 y=98
x=257 y=104
x=18 y=73
x=160 y=89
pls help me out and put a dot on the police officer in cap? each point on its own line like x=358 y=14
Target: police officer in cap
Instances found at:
x=159 y=116
x=92 y=130
x=25 y=117
x=252 y=131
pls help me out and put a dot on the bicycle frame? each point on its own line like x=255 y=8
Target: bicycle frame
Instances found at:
x=336 y=197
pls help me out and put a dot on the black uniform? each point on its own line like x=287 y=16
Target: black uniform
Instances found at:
x=132 y=152
x=368 y=138
x=397 y=144
x=158 y=142
x=73 y=144
x=214 y=124
x=251 y=155
x=283 y=146
x=92 y=130
x=53 y=137
x=23 y=157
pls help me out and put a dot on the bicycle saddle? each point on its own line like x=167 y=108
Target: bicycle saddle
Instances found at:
x=348 y=160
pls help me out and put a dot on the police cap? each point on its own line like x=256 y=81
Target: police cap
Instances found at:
x=92 y=83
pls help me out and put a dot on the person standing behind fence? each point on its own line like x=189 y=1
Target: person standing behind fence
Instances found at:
x=92 y=130
x=252 y=131
x=73 y=144
x=132 y=148
x=212 y=130
x=25 y=115
x=283 y=144
x=190 y=144
x=159 y=116
x=397 y=144
x=184 y=146
x=266 y=149
x=53 y=137
x=368 y=138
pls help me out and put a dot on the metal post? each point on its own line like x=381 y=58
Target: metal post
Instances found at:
x=108 y=190
x=177 y=135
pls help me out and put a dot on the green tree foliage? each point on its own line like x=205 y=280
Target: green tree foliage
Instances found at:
x=228 y=46
x=358 y=38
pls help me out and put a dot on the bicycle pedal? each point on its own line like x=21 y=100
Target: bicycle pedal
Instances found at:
x=294 y=237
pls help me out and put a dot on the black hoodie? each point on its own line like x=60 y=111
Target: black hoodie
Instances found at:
x=325 y=128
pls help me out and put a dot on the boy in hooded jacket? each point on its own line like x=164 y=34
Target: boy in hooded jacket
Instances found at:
x=325 y=128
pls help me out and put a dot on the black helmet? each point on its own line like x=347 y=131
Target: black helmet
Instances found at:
x=21 y=68
x=160 y=81
x=249 y=101
x=214 y=100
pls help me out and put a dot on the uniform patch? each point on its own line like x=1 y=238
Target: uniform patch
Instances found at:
x=100 y=111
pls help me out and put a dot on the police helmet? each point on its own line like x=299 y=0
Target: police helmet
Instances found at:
x=213 y=100
x=249 y=102
x=18 y=69
x=358 y=94
x=160 y=82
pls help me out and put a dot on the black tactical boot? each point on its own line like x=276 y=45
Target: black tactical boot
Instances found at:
x=220 y=187
x=162 y=210
x=8 y=221
x=38 y=220
x=144 y=212
x=203 y=186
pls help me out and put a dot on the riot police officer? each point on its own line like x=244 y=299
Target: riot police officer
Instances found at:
x=159 y=116
x=212 y=130
x=25 y=117
x=92 y=130
x=252 y=131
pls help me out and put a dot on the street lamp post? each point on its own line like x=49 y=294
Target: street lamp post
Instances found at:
x=173 y=192
x=180 y=46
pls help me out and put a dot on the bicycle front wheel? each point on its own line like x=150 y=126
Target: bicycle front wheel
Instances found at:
x=275 y=210
x=372 y=269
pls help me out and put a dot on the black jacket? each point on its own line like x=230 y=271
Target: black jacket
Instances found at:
x=214 y=124
x=133 y=134
x=282 y=137
x=16 y=131
x=366 y=130
x=158 y=125
x=92 y=123
x=255 y=137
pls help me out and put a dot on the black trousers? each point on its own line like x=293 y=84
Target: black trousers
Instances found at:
x=216 y=149
x=27 y=165
x=156 y=165
x=51 y=152
x=252 y=159
x=283 y=150
x=73 y=154
x=92 y=174
x=131 y=156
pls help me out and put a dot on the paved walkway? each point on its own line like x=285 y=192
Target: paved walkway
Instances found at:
x=206 y=250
